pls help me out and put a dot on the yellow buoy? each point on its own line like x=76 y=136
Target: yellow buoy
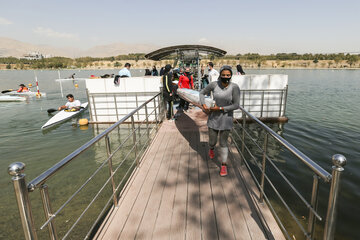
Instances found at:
x=30 y=85
x=76 y=85
x=83 y=122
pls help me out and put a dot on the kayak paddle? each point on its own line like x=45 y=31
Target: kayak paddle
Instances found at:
x=51 y=110
x=6 y=91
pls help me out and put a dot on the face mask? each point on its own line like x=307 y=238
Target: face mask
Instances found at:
x=225 y=80
x=209 y=69
x=187 y=73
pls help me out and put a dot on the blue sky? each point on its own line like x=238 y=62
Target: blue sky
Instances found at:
x=240 y=26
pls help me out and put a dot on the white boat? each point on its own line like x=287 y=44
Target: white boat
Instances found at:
x=11 y=99
x=63 y=116
x=193 y=96
x=29 y=93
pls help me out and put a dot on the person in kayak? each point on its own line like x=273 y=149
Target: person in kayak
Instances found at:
x=72 y=104
x=22 y=88
x=220 y=122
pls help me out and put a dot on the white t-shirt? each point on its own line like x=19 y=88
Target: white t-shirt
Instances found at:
x=213 y=75
x=75 y=103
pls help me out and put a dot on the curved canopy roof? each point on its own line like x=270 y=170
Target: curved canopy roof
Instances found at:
x=163 y=52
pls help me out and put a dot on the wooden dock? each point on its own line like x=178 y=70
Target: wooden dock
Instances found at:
x=177 y=192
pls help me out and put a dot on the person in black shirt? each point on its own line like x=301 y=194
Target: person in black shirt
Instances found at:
x=168 y=91
x=147 y=72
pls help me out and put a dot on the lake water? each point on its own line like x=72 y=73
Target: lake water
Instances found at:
x=323 y=108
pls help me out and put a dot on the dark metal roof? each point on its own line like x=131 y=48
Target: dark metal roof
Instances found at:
x=163 y=52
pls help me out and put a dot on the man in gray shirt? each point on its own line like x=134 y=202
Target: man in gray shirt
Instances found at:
x=227 y=98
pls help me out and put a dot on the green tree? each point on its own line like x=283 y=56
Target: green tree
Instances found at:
x=351 y=59
x=8 y=66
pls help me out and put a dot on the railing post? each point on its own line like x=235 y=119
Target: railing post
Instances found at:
x=155 y=112
x=263 y=168
x=134 y=139
x=22 y=197
x=243 y=99
x=111 y=172
x=280 y=107
x=285 y=99
x=147 y=121
x=48 y=211
x=93 y=100
x=314 y=203
x=89 y=105
x=160 y=108
x=116 y=109
x=137 y=105
x=243 y=136
x=339 y=162
x=262 y=103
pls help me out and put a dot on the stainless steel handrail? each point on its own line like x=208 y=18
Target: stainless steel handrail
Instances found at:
x=326 y=176
x=136 y=134
x=338 y=160
x=42 y=178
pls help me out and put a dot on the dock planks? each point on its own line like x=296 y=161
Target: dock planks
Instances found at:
x=177 y=193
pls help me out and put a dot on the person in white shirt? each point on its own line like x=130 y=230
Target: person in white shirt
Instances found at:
x=213 y=74
x=125 y=72
x=71 y=104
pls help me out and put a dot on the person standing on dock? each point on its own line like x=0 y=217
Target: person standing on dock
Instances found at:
x=125 y=72
x=71 y=104
x=185 y=81
x=220 y=121
x=213 y=74
x=240 y=70
x=168 y=91
x=154 y=71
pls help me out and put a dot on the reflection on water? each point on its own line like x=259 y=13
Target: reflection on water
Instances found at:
x=323 y=108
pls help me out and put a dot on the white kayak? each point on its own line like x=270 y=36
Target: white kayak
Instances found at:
x=194 y=97
x=28 y=93
x=11 y=99
x=64 y=115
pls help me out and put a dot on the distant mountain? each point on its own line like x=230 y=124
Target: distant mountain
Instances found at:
x=11 y=47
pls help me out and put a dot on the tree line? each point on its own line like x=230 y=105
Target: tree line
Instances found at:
x=82 y=62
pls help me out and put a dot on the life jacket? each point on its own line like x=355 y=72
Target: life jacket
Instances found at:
x=23 y=89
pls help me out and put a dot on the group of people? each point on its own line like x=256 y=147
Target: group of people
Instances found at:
x=226 y=95
x=153 y=72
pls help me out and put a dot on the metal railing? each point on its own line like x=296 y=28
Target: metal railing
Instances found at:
x=117 y=105
x=22 y=189
x=259 y=161
x=264 y=102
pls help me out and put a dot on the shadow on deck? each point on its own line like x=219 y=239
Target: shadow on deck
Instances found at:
x=177 y=192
